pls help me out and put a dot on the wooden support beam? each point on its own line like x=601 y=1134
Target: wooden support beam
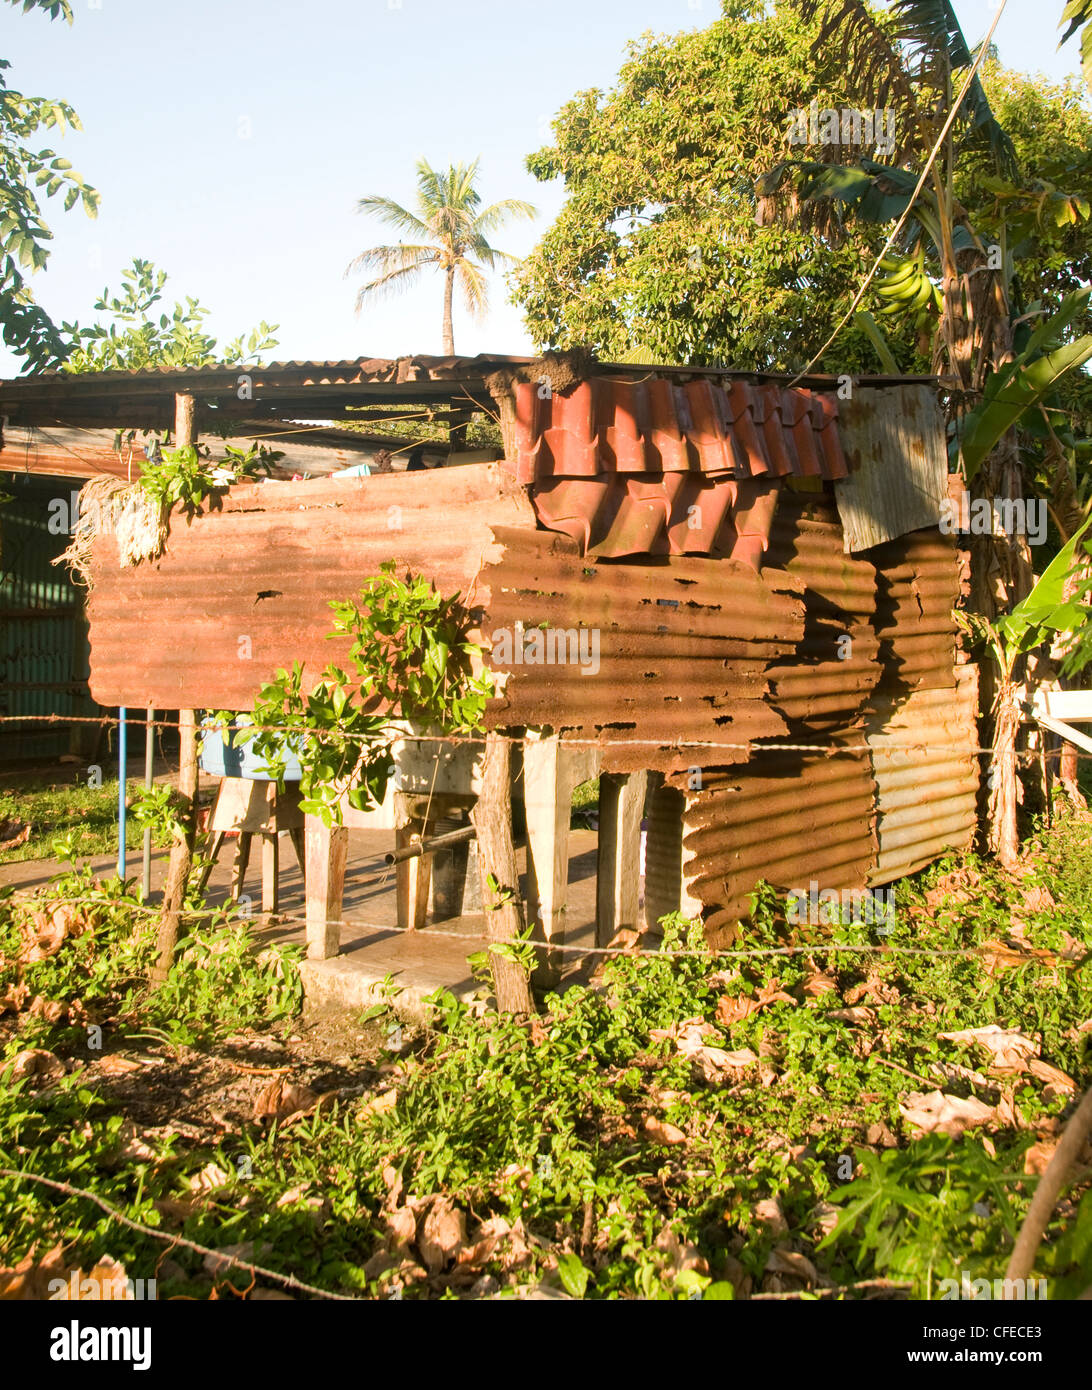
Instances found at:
x=550 y=774
x=325 y=851
x=178 y=870
x=621 y=806
x=492 y=817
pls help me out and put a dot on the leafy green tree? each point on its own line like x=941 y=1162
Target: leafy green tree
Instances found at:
x=451 y=228
x=26 y=174
x=135 y=337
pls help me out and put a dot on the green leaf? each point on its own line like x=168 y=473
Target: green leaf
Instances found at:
x=574 y=1274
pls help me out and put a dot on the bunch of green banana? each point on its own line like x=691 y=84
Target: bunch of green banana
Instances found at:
x=908 y=291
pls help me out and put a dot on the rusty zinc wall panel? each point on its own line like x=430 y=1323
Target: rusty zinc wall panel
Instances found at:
x=825 y=683
x=683 y=648
x=927 y=774
x=264 y=568
x=917 y=588
x=787 y=818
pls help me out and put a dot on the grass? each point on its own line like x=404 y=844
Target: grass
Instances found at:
x=54 y=811
x=597 y=1148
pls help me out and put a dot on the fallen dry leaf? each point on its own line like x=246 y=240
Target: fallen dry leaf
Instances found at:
x=443 y=1234
x=857 y=1013
x=1055 y=1079
x=31 y=1277
x=211 y=1178
x=791 y=1262
x=379 y=1103
x=733 y=1009
x=107 y=1280
x=283 y=1098
x=997 y=956
x=934 y=1110
x=13 y=833
x=1038 y=1157
x=1039 y=899
x=15 y=998
x=879 y=1133
x=660 y=1132
x=38 y=1066
x=768 y=1213
x=117 y=1064
x=819 y=983
x=1009 y=1049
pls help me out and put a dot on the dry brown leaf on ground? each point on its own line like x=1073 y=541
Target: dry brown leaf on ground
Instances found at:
x=768 y=1213
x=819 y=983
x=283 y=1098
x=51 y=1010
x=1056 y=1080
x=443 y=1234
x=1038 y=899
x=13 y=833
x=31 y=1277
x=401 y=1227
x=934 y=1111
x=733 y=1009
x=681 y=1255
x=117 y=1064
x=15 y=998
x=660 y=1132
x=782 y=1261
x=1009 y=1049
x=1000 y=955
x=377 y=1104
x=879 y=1135
x=38 y=1066
x=1038 y=1157
x=211 y=1178
x=857 y=1013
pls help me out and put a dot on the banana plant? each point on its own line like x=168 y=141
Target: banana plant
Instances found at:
x=1021 y=386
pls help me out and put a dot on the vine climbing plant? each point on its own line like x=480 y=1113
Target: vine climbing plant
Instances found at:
x=410 y=660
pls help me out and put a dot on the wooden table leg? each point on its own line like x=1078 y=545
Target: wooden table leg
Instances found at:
x=212 y=853
x=270 y=864
x=242 y=859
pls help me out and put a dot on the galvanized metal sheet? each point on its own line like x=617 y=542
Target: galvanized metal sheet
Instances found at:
x=927 y=774
x=895 y=442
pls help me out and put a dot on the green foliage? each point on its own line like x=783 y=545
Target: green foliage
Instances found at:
x=154 y=809
x=410 y=660
x=27 y=174
x=1021 y=386
x=188 y=477
x=1078 y=15
x=136 y=338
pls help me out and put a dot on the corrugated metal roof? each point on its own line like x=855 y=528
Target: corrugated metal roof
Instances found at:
x=918 y=586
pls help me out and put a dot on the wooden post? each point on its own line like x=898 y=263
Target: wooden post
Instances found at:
x=412 y=878
x=178 y=871
x=270 y=868
x=492 y=817
x=326 y=848
x=621 y=806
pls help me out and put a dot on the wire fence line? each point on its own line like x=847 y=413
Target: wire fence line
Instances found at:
x=400 y=736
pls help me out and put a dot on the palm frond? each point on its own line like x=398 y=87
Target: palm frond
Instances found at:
x=490 y=218
x=474 y=287
x=392 y=213
x=398 y=268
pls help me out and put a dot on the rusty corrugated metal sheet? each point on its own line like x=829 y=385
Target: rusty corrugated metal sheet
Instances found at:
x=787 y=818
x=683 y=647
x=904 y=427
x=742 y=429
x=825 y=683
x=927 y=774
x=917 y=588
x=265 y=567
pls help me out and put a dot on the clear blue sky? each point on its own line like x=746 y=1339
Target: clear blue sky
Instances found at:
x=340 y=98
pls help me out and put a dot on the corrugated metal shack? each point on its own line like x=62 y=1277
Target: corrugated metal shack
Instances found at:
x=761 y=563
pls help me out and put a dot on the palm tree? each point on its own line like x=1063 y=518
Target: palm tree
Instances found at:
x=450 y=228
